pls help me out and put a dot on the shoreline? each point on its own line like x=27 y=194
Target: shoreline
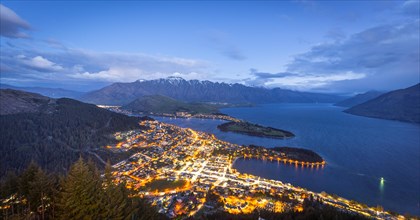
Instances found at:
x=223 y=157
x=255 y=130
x=285 y=162
x=242 y=127
x=219 y=116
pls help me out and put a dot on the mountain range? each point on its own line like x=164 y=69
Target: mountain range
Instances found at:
x=359 y=99
x=163 y=104
x=200 y=91
x=50 y=92
x=55 y=132
x=402 y=105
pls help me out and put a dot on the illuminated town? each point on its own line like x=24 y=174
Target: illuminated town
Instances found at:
x=183 y=172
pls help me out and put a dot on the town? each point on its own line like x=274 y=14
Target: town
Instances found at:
x=179 y=114
x=185 y=173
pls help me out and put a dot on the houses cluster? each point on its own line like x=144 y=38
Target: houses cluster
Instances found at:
x=203 y=164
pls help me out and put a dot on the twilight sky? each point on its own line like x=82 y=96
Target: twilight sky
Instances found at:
x=321 y=46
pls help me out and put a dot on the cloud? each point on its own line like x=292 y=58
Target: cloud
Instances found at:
x=47 y=63
x=121 y=74
x=41 y=64
x=300 y=81
x=233 y=53
x=307 y=82
x=220 y=41
x=382 y=58
x=411 y=7
x=5 y=68
x=11 y=24
x=114 y=74
x=336 y=34
x=273 y=75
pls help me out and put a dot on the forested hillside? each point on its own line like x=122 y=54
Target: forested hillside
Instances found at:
x=56 y=132
x=83 y=194
x=80 y=194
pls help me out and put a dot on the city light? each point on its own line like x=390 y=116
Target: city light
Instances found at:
x=166 y=154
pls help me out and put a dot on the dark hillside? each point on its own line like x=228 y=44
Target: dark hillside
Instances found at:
x=401 y=105
x=55 y=132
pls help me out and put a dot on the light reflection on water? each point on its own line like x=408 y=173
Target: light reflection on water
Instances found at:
x=381 y=185
x=358 y=150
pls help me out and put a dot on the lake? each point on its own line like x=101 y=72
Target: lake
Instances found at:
x=358 y=150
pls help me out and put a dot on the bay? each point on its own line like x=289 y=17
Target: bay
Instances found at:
x=358 y=150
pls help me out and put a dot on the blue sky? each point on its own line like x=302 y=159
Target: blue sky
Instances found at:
x=322 y=46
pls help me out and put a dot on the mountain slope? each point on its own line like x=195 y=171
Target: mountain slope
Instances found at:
x=402 y=105
x=199 y=91
x=15 y=101
x=54 y=132
x=163 y=104
x=359 y=99
x=50 y=92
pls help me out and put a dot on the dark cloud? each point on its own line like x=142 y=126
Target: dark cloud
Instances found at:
x=382 y=58
x=264 y=79
x=274 y=75
x=5 y=68
x=11 y=24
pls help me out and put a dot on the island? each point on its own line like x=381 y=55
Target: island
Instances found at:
x=247 y=128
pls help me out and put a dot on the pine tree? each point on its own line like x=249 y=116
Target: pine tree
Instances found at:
x=8 y=187
x=119 y=205
x=142 y=210
x=24 y=187
x=81 y=194
x=42 y=191
x=115 y=197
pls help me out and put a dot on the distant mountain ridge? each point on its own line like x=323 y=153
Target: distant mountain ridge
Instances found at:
x=200 y=91
x=49 y=92
x=359 y=99
x=402 y=105
x=163 y=104
x=54 y=132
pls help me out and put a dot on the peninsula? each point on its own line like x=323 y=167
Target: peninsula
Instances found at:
x=243 y=127
x=293 y=154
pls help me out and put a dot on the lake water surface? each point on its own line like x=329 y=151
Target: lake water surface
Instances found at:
x=358 y=150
